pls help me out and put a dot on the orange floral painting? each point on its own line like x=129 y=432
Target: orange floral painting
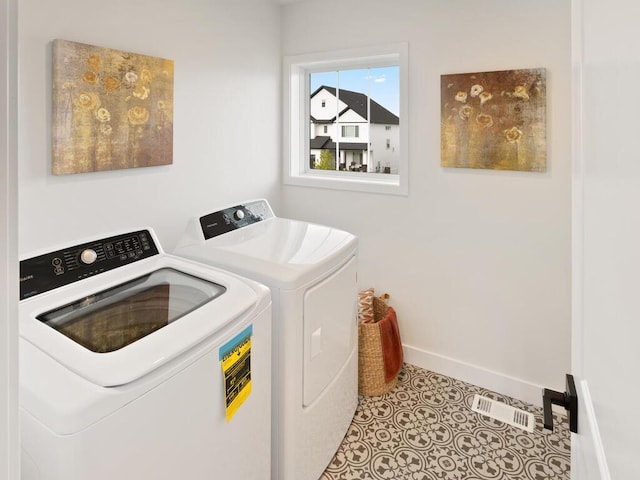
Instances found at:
x=494 y=120
x=111 y=109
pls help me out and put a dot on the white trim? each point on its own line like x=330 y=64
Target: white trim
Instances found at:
x=577 y=194
x=474 y=374
x=596 y=449
x=9 y=424
x=587 y=452
x=296 y=71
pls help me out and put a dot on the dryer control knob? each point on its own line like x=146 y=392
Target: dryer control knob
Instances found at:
x=88 y=256
x=239 y=215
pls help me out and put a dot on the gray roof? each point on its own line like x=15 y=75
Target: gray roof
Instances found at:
x=321 y=122
x=352 y=146
x=321 y=142
x=325 y=143
x=358 y=103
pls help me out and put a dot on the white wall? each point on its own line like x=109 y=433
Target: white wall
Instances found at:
x=226 y=115
x=477 y=262
x=609 y=176
x=386 y=157
x=9 y=447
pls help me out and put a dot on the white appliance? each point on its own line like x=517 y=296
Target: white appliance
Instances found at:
x=121 y=350
x=311 y=270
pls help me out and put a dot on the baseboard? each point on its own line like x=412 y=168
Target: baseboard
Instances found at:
x=482 y=377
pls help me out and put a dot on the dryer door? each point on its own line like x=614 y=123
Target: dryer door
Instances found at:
x=330 y=329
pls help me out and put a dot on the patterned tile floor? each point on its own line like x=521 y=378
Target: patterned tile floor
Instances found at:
x=425 y=430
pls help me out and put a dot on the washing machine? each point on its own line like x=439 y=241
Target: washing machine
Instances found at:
x=136 y=364
x=311 y=271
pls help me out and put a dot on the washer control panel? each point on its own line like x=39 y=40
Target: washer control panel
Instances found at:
x=233 y=218
x=55 y=269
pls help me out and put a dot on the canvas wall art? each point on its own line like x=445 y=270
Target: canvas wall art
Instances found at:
x=494 y=120
x=111 y=109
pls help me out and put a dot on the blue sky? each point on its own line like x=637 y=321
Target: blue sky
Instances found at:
x=382 y=84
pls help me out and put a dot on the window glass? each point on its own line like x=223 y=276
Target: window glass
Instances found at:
x=364 y=110
x=116 y=317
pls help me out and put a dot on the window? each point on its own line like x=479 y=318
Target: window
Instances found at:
x=350 y=131
x=363 y=97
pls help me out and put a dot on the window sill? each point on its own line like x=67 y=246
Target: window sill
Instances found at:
x=356 y=182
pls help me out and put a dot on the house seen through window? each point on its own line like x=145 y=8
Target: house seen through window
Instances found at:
x=354 y=117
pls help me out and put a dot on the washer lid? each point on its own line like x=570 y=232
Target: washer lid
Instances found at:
x=120 y=326
x=278 y=251
x=116 y=317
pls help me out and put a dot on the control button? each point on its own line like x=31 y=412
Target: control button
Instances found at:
x=56 y=262
x=239 y=215
x=88 y=256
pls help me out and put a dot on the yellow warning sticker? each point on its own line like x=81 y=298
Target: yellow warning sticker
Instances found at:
x=235 y=358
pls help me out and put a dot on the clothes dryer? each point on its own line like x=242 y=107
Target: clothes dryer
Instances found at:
x=311 y=271
x=125 y=369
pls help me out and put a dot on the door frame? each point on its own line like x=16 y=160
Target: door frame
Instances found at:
x=588 y=460
x=9 y=438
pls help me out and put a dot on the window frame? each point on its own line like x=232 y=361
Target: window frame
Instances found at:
x=296 y=118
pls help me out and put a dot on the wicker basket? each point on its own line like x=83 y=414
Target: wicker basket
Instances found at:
x=371 y=379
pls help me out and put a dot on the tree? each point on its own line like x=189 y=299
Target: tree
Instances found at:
x=327 y=160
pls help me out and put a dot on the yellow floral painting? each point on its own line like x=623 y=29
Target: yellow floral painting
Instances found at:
x=494 y=120
x=111 y=109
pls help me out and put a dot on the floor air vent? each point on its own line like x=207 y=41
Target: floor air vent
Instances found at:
x=503 y=412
